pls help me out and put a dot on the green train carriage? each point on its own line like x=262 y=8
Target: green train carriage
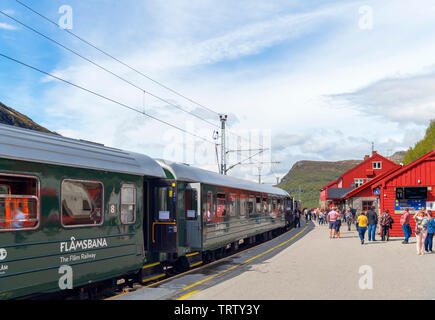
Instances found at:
x=71 y=212
x=214 y=212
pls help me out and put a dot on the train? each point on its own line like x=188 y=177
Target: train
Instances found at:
x=80 y=219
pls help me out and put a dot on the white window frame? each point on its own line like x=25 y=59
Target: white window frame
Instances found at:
x=102 y=205
x=359 y=182
x=129 y=186
x=377 y=165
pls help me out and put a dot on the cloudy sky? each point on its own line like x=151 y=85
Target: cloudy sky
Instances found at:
x=313 y=80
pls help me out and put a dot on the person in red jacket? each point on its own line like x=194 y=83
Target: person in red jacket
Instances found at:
x=406 y=227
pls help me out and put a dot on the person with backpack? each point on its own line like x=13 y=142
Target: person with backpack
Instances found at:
x=430 y=232
x=420 y=230
x=362 y=222
x=385 y=222
x=349 y=219
x=372 y=223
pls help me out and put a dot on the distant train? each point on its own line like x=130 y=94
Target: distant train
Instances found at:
x=79 y=217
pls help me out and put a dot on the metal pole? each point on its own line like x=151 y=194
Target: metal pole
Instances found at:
x=223 y=118
x=259 y=174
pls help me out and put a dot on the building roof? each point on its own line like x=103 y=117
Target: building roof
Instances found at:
x=405 y=168
x=374 y=154
x=371 y=182
x=187 y=173
x=34 y=146
x=329 y=184
x=338 y=193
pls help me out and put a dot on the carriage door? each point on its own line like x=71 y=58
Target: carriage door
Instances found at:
x=192 y=205
x=164 y=223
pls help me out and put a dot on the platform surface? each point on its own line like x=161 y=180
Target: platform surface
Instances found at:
x=317 y=267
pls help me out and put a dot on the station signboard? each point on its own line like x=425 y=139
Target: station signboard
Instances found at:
x=412 y=205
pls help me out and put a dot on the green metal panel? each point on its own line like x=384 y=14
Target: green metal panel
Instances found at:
x=218 y=234
x=34 y=258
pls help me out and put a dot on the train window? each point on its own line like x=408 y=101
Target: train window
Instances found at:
x=190 y=203
x=242 y=205
x=232 y=206
x=221 y=205
x=209 y=210
x=19 y=202
x=251 y=205
x=128 y=203
x=265 y=206
x=82 y=203
x=258 y=208
x=165 y=204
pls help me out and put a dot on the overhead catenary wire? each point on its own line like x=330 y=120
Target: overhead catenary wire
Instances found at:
x=118 y=76
x=116 y=59
x=103 y=97
x=129 y=67
x=105 y=69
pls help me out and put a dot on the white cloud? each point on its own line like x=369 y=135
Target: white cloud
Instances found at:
x=7 y=26
x=294 y=95
x=404 y=100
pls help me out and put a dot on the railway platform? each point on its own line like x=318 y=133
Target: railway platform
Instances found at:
x=317 y=267
x=188 y=283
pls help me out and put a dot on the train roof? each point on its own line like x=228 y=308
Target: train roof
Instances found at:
x=185 y=172
x=30 y=145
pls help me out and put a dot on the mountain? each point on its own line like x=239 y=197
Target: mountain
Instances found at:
x=398 y=157
x=14 y=118
x=311 y=176
x=423 y=146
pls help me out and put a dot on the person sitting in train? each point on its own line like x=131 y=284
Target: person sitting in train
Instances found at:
x=19 y=218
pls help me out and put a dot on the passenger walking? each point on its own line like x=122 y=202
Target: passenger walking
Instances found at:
x=338 y=224
x=385 y=222
x=343 y=214
x=321 y=217
x=356 y=219
x=362 y=222
x=297 y=218
x=430 y=232
x=372 y=223
x=406 y=228
x=349 y=219
x=420 y=230
x=331 y=218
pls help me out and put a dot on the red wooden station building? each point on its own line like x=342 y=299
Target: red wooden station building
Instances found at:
x=394 y=188
x=333 y=194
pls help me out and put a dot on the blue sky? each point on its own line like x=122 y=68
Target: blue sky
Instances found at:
x=318 y=84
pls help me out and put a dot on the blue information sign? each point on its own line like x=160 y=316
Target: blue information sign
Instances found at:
x=412 y=205
x=377 y=192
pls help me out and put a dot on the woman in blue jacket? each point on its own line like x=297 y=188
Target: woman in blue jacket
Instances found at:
x=430 y=232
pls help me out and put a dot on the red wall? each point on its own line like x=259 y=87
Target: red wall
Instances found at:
x=425 y=172
x=323 y=195
x=360 y=171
